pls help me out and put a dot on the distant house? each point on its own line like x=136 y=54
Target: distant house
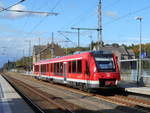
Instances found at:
x=41 y=52
x=120 y=51
x=36 y=52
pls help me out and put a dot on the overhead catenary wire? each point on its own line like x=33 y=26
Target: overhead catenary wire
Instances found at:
x=4 y=9
x=46 y=16
x=82 y=17
x=56 y=5
x=34 y=12
x=37 y=12
x=42 y=20
x=66 y=38
x=113 y=4
x=128 y=14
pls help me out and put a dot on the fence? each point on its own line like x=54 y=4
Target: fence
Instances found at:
x=129 y=70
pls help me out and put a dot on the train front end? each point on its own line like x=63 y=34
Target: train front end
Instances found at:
x=105 y=69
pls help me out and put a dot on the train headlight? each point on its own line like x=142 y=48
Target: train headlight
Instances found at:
x=116 y=82
x=94 y=69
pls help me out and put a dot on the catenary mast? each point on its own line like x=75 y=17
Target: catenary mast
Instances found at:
x=100 y=41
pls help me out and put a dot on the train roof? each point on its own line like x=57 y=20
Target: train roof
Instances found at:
x=75 y=56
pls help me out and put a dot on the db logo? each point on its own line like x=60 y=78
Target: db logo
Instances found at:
x=108 y=74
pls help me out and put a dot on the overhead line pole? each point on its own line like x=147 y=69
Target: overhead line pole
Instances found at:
x=60 y=32
x=100 y=37
x=99 y=29
x=30 y=55
x=29 y=58
x=140 y=49
x=82 y=29
x=52 y=46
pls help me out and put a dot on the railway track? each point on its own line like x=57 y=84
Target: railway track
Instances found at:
x=43 y=100
x=36 y=108
x=132 y=104
x=137 y=104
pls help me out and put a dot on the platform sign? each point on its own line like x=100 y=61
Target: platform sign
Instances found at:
x=143 y=55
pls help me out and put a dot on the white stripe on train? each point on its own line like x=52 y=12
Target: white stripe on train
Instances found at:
x=70 y=79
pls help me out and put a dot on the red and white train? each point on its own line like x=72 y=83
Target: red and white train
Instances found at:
x=88 y=70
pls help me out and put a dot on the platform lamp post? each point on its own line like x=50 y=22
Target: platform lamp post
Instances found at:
x=29 y=59
x=140 y=48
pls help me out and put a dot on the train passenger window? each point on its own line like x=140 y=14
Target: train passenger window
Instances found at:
x=74 y=67
x=69 y=67
x=61 y=68
x=55 y=67
x=79 y=66
x=47 y=67
x=52 y=67
x=43 y=68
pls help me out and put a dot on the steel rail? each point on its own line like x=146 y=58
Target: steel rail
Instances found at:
x=36 y=108
x=67 y=110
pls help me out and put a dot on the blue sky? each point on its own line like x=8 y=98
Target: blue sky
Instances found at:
x=119 y=23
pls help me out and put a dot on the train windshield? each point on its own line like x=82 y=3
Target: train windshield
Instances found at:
x=105 y=64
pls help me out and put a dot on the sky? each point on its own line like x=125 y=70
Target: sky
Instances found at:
x=118 y=20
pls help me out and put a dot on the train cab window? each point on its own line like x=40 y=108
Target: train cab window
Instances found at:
x=69 y=67
x=79 y=66
x=105 y=63
x=74 y=67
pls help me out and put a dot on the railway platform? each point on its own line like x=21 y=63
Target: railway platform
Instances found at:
x=10 y=100
x=134 y=88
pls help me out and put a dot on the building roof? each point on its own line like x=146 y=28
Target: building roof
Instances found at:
x=50 y=46
x=121 y=49
x=38 y=48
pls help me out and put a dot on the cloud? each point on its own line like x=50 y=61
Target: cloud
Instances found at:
x=1 y=6
x=111 y=14
x=13 y=14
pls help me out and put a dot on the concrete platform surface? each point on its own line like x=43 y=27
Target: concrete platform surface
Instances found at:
x=139 y=90
x=134 y=88
x=10 y=100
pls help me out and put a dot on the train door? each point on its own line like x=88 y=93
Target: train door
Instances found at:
x=87 y=74
x=64 y=71
x=86 y=71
